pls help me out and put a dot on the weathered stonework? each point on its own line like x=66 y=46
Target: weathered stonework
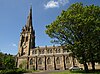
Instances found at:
x=40 y=58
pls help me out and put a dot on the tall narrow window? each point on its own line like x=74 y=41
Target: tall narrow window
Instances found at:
x=22 y=40
x=26 y=38
x=58 y=60
x=31 y=61
x=67 y=60
x=49 y=61
x=34 y=61
x=40 y=61
x=42 y=51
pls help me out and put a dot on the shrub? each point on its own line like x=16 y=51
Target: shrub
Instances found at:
x=13 y=71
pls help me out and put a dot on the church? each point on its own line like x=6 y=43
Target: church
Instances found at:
x=41 y=58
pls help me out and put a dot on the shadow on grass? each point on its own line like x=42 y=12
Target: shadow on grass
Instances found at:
x=97 y=71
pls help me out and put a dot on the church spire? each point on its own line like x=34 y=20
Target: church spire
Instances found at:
x=29 y=18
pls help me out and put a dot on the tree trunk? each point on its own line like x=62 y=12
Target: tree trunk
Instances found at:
x=93 y=65
x=85 y=67
x=84 y=63
x=92 y=61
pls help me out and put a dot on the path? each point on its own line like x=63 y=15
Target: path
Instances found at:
x=45 y=72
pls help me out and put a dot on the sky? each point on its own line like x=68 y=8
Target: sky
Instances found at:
x=13 y=16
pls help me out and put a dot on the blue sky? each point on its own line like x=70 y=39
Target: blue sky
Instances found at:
x=13 y=16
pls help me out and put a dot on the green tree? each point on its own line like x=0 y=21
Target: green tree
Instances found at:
x=9 y=62
x=78 y=28
x=1 y=60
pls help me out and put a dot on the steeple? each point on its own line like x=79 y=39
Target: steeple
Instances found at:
x=29 y=18
x=27 y=37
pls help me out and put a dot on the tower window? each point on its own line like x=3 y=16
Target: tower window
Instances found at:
x=26 y=38
x=22 y=40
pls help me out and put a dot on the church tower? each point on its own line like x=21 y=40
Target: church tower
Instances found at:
x=27 y=37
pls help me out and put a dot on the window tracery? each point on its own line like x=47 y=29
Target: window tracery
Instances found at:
x=31 y=61
x=49 y=61
x=58 y=60
x=67 y=60
x=40 y=61
x=57 y=50
x=49 y=50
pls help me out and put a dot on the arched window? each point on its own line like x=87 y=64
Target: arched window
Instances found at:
x=22 y=40
x=49 y=61
x=39 y=51
x=57 y=50
x=58 y=60
x=42 y=52
x=31 y=61
x=34 y=61
x=26 y=38
x=67 y=60
x=34 y=52
x=40 y=61
x=49 y=50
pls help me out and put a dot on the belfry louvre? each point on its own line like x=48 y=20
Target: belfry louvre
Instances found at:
x=41 y=58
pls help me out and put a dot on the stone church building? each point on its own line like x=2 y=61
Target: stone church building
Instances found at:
x=41 y=58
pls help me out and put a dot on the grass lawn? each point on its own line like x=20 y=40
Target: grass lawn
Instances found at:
x=75 y=72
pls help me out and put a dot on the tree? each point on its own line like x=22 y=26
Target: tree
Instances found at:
x=1 y=60
x=9 y=61
x=78 y=28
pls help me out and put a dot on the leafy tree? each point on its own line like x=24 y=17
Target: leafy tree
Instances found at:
x=1 y=60
x=9 y=62
x=78 y=28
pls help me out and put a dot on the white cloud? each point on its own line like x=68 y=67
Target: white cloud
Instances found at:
x=14 y=45
x=51 y=4
x=54 y=4
x=63 y=2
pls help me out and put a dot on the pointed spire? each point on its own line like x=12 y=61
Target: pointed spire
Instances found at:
x=29 y=18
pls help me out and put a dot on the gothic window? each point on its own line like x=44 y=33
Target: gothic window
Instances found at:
x=49 y=50
x=34 y=52
x=49 y=61
x=40 y=61
x=42 y=52
x=58 y=60
x=57 y=50
x=34 y=61
x=67 y=60
x=26 y=38
x=39 y=51
x=22 y=40
x=22 y=51
x=31 y=61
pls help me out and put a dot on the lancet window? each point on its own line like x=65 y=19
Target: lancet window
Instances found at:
x=58 y=60
x=48 y=60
